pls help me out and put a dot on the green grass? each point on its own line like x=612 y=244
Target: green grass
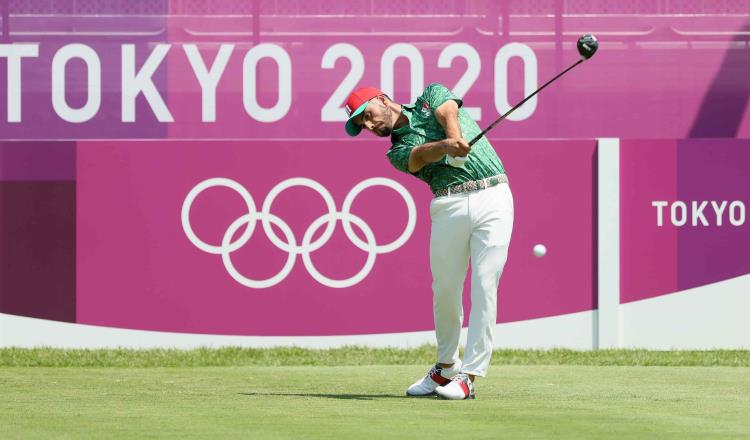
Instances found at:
x=359 y=393
x=354 y=356
x=367 y=402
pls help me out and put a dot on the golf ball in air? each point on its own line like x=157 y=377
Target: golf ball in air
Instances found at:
x=540 y=250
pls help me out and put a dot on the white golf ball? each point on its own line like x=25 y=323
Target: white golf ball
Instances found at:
x=540 y=250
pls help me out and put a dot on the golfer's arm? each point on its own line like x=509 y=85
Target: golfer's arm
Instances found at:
x=423 y=154
x=447 y=117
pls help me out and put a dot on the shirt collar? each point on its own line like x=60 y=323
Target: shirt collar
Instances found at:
x=406 y=110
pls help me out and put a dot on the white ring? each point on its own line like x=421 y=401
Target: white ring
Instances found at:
x=266 y=210
x=359 y=276
x=190 y=198
x=411 y=209
x=245 y=281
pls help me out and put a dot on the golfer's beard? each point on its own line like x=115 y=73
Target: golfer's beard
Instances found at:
x=387 y=117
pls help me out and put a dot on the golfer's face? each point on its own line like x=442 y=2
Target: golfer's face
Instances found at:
x=377 y=118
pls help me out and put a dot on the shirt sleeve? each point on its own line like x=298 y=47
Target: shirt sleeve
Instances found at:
x=398 y=154
x=436 y=95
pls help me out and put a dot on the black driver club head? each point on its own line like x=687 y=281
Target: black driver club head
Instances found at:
x=587 y=46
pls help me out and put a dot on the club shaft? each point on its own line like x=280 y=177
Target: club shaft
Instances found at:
x=497 y=121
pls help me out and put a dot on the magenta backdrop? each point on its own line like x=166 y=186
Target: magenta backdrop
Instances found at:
x=664 y=71
x=137 y=268
x=658 y=73
x=692 y=247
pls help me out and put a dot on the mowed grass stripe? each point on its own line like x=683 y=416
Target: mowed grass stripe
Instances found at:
x=354 y=356
x=515 y=401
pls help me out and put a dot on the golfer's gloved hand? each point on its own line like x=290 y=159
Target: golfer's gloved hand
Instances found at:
x=457 y=162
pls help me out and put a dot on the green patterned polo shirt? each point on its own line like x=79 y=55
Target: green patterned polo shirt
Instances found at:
x=423 y=127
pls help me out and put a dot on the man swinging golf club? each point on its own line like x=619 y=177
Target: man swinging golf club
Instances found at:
x=472 y=220
x=472 y=214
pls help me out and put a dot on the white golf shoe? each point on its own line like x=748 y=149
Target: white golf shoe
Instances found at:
x=459 y=388
x=434 y=378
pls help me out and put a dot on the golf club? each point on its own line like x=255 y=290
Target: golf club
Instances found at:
x=587 y=46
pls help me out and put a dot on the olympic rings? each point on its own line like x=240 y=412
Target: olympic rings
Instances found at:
x=306 y=246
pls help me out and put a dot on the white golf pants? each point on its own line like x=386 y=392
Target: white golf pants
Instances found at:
x=475 y=225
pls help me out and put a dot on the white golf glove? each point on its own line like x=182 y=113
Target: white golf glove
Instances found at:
x=457 y=161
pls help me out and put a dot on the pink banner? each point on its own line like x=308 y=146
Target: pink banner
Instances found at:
x=163 y=240
x=683 y=206
x=192 y=71
x=190 y=157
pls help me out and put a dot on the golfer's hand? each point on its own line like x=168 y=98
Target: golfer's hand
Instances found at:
x=457 y=147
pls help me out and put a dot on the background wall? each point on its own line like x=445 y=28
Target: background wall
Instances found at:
x=136 y=134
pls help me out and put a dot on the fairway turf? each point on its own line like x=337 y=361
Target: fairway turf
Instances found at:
x=354 y=356
x=515 y=401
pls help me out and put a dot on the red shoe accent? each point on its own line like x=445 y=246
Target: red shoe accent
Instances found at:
x=464 y=387
x=440 y=380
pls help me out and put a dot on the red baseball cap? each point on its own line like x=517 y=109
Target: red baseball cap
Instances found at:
x=356 y=103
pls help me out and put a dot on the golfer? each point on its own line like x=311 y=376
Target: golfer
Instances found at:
x=472 y=220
